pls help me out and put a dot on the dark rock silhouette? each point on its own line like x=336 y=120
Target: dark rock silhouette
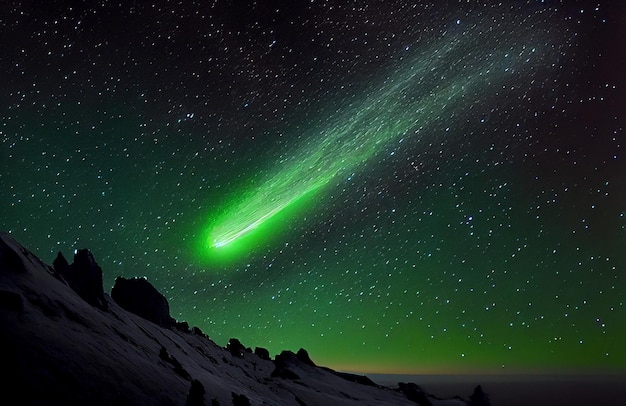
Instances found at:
x=303 y=356
x=235 y=347
x=138 y=296
x=196 y=394
x=479 y=397
x=9 y=259
x=262 y=353
x=360 y=379
x=182 y=326
x=178 y=368
x=197 y=331
x=414 y=393
x=284 y=373
x=84 y=276
x=283 y=362
x=60 y=264
x=286 y=359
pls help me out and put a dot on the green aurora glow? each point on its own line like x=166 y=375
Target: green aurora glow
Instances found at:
x=492 y=240
x=455 y=70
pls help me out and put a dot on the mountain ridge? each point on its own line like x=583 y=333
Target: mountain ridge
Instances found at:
x=69 y=342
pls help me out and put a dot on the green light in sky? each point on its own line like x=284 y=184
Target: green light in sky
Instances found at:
x=452 y=74
x=265 y=229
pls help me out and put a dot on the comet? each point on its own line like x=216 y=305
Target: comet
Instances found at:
x=427 y=88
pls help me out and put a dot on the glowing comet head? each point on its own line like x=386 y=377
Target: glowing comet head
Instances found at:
x=228 y=232
x=227 y=235
x=244 y=227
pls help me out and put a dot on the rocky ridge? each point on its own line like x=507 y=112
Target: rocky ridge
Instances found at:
x=66 y=341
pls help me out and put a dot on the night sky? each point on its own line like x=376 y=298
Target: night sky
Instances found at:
x=395 y=186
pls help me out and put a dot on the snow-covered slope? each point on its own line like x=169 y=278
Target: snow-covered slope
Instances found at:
x=58 y=349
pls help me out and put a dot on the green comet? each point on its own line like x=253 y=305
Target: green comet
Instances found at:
x=449 y=75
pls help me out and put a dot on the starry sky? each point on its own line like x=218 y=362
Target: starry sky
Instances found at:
x=398 y=187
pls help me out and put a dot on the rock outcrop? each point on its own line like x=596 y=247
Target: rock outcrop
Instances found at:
x=479 y=397
x=262 y=353
x=235 y=347
x=283 y=363
x=303 y=356
x=414 y=393
x=84 y=276
x=140 y=297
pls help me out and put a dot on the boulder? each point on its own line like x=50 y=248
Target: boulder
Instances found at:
x=235 y=347
x=262 y=353
x=479 y=397
x=140 y=297
x=84 y=276
x=414 y=393
x=303 y=356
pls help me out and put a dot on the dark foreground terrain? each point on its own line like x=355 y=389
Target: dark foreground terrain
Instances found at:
x=65 y=341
